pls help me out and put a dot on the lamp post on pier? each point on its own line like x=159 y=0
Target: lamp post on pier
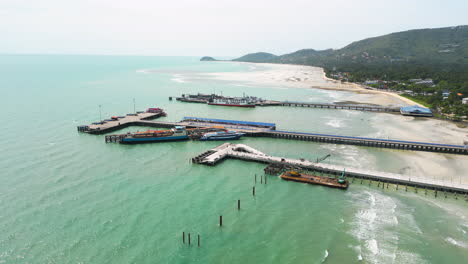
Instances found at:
x=100 y=113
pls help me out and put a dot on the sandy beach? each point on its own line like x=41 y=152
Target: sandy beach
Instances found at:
x=299 y=76
x=418 y=164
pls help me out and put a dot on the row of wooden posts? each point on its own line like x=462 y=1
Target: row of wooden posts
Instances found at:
x=263 y=180
x=406 y=188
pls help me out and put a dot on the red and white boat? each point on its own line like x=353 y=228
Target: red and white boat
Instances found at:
x=238 y=102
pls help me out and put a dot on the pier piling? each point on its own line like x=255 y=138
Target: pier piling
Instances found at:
x=189 y=238
x=183 y=237
x=238 y=204
x=253 y=191
x=220 y=221
x=198 y=240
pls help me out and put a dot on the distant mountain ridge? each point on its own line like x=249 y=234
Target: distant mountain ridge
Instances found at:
x=439 y=46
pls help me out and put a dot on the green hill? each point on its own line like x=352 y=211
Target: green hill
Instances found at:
x=257 y=57
x=418 y=53
x=207 y=58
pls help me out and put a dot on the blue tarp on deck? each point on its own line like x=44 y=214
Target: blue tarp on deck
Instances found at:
x=225 y=121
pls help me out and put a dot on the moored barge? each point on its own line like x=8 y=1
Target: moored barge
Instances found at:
x=150 y=136
x=340 y=183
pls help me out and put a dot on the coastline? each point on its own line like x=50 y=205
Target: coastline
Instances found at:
x=310 y=77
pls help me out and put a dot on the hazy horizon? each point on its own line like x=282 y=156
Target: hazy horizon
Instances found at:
x=209 y=28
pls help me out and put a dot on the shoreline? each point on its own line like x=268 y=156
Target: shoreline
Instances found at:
x=310 y=77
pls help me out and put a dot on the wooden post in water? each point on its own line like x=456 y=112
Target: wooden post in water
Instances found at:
x=406 y=188
x=397 y=187
x=253 y=191
x=183 y=237
x=198 y=240
x=255 y=178
x=238 y=204
x=378 y=185
x=265 y=179
x=435 y=194
x=261 y=179
x=220 y=220
x=189 y=238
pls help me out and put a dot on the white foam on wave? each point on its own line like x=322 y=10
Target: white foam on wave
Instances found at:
x=372 y=226
x=144 y=71
x=325 y=256
x=336 y=123
x=178 y=78
x=456 y=242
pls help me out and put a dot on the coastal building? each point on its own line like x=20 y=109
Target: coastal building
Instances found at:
x=465 y=100
x=427 y=82
x=445 y=94
x=371 y=82
x=415 y=110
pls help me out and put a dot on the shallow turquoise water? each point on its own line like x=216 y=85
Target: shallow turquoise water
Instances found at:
x=67 y=197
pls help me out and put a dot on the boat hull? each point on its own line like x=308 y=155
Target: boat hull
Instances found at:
x=234 y=105
x=221 y=138
x=152 y=139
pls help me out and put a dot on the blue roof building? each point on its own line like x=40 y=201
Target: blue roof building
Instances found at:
x=415 y=110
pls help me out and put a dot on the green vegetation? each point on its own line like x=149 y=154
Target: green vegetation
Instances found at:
x=257 y=57
x=439 y=54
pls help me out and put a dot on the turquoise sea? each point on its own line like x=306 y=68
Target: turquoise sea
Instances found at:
x=67 y=197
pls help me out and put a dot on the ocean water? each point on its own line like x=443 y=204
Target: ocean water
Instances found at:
x=67 y=197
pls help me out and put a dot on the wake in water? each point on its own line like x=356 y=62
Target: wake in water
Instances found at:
x=375 y=226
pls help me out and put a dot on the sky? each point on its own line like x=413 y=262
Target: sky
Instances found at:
x=210 y=27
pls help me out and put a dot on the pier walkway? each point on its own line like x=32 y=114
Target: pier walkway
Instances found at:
x=343 y=106
x=368 y=142
x=244 y=152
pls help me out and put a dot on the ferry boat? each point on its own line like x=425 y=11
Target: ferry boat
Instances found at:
x=340 y=183
x=149 y=136
x=221 y=135
x=229 y=101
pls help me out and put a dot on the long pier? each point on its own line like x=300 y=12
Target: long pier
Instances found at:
x=244 y=152
x=374 y=108
x=364 y=141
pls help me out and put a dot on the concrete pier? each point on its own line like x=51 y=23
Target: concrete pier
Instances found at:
x=120 y=122
x=244 y=152
x=367 y=142
x=373 y=108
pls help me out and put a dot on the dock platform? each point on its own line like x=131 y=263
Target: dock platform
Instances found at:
x=120 y=122
x=244 y=152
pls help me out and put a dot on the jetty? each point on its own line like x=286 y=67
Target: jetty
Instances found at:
x=206 y=98
x=247 y=153
x=119 y=122
x=365 y=141
x=360 y=107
